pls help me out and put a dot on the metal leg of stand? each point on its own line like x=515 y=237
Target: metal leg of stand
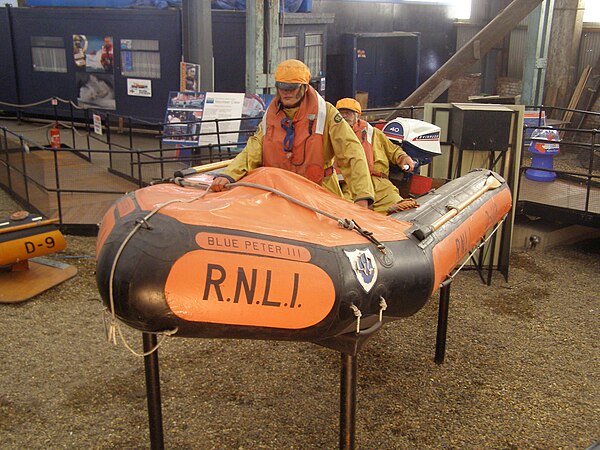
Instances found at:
x=442 y=327
x=491 y=261
x=347 y=402
x=153 y=392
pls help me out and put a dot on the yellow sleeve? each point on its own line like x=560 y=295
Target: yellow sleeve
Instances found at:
x=392 y=151
x=339 y=141
x=248 y=159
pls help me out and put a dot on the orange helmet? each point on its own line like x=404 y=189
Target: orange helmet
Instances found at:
x=349 y=103
x=291 y=73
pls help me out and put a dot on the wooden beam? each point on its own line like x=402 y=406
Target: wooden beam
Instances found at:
x=476 y=48
x=589 y=95
x=561 y=72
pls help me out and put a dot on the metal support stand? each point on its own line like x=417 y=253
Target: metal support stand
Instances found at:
x=347 y=402
x=442 y=327
x=153 y=392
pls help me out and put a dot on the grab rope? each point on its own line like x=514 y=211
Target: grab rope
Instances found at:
x=348 y=224
x=113 y=327
x=358 y=314
x=472 y=251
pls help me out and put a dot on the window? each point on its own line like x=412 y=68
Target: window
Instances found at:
x=140 y=58
x=592 y=11
x=459 y=9
x=313 y=53
x=48 y=54
x=288 y=47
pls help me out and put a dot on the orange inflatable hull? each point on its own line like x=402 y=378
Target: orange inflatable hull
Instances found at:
x=248 y=263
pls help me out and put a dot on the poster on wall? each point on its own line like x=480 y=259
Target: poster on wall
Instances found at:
x=95 y=90
x=184 y=111
x=126 y=56
x=93 y=53
x=188 y=112
x=189 y=80
x=139 y=88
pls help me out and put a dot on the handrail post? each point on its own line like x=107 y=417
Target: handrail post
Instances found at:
x=161 y=153
x=87 y=125
x=139 y=164
x=72 y=125
x=55 y=108
x=108 y=141
x=130 y=154
x=218 y=137
x=24 y=167
x=8 y=177
x=57 y=175
x=130 y=133
x=590 y=171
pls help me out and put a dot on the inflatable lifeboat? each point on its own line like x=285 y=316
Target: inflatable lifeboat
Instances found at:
x=277 y=257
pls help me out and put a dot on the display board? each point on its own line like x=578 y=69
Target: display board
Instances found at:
x=203 y=118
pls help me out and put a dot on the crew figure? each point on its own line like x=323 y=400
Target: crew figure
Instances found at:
x=379 y=151
x=303 y=135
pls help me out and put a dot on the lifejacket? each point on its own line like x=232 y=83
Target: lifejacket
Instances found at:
x=364 y=133
x=306 y=155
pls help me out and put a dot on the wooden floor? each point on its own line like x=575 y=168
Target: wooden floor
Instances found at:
x=74 y=173
x=560 y=193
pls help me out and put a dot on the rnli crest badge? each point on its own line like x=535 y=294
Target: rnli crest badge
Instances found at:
x=364 y=266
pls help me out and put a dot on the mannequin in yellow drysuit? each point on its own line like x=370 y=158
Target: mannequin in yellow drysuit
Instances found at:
x=379 y=151
x=303 y=134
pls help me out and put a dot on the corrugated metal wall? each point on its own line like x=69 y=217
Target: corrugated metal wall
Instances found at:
x=516 y=55
x=589 y=50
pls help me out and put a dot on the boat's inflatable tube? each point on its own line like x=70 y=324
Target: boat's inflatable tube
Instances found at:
x=248 y=263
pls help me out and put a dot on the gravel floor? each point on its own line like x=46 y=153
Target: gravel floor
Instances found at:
x=522 y=371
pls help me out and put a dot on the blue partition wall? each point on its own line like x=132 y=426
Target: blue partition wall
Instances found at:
x=386 y=65
x=29 y=25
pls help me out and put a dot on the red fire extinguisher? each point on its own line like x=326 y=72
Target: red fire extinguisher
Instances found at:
x=55 y=136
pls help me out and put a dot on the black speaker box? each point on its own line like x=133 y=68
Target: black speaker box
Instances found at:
x=480 y=127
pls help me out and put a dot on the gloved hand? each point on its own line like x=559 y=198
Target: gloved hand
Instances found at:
x=219 y=183
x=406 y=163
x=403 y=205
x=363 y=203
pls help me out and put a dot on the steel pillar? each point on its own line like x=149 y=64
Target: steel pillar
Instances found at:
x=197 y=40
x=536 y=55
x=262 y=33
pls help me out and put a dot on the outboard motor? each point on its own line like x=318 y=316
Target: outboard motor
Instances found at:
x=421 y=141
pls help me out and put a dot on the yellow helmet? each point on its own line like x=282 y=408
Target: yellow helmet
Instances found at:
x=349 y=103
x=291 y=73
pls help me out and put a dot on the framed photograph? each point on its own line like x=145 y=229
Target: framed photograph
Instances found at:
x=137 y=87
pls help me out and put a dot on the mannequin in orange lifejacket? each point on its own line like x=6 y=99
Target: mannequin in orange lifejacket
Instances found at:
x=302 y=133
x=379 y=151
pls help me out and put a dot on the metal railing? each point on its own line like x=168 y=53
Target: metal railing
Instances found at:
x=573 y=196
